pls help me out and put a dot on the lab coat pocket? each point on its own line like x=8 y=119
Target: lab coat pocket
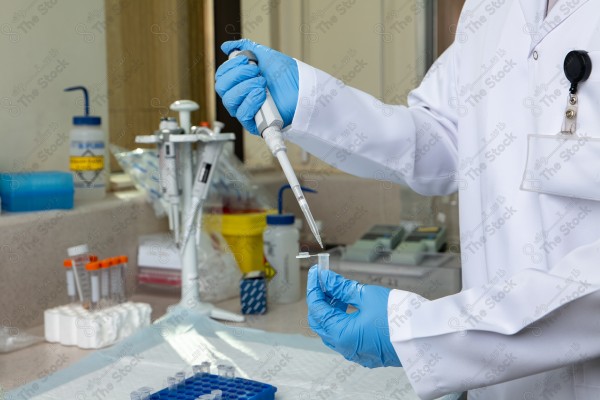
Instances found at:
x=563 y=165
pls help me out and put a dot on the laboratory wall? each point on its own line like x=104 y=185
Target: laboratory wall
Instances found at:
x=48 y=45
x=375 y=46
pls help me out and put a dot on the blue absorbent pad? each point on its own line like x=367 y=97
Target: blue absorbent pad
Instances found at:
x=232 y=388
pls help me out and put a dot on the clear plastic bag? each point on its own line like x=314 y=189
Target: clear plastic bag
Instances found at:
x=231 y=186
x=218 y=272
x=12 y=339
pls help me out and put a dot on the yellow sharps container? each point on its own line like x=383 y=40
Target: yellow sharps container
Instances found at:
x=244 y=234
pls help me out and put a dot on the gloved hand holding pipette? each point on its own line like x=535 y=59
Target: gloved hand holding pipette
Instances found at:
x=242 y=85
x=243 y=90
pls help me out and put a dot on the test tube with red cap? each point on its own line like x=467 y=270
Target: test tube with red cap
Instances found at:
x=115 y=279
x=71 y=291
x=93 y=269
x=123 y=267
x=105 y=282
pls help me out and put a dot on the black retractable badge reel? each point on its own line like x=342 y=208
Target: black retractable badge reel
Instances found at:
x=577 y=67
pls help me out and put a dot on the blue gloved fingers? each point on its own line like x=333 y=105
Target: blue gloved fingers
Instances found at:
x=229 y=65
x=241 y=44
x=323 y=318
x=340 y=288
x=280 y=71
x=249 y=107
x=235 y=76
x=234 y=97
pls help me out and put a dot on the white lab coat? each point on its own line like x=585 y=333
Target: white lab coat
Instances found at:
x=527 y=323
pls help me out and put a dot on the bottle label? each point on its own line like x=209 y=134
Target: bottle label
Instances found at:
x=86 y=163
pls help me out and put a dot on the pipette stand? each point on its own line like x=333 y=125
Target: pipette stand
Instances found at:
x=183 y=139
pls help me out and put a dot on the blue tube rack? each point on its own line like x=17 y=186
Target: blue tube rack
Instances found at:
x=232 y=388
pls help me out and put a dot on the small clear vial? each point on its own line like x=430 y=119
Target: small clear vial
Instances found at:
x=180 y=378
x=196 y=370
x=323 y=265
x=171 y=383
x=221 y=369
x=218 y=394
x=201 y=369
x=229 y=371
x=145 y=392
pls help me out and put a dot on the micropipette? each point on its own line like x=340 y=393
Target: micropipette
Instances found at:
x=168 y=176
x=207 y=156
x=269 y=124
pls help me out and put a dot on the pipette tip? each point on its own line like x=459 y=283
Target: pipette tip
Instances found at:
x=320 y=242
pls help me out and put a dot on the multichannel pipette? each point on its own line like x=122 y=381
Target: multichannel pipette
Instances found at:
x=269 y=124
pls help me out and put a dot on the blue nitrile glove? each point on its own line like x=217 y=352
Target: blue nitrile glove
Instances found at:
x=242 y=85
x=362 y=336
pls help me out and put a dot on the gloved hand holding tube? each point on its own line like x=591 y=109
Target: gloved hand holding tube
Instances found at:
x=362 y=336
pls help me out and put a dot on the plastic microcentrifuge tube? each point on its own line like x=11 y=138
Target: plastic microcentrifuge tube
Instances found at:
x=218 y=394
x=93 y=269
x=180 y=378
x=203 y=368
x=171 y=383
x=105 y=282
x=145 y=392
x=229 y=371
x=71 y=291
x=323 y=265
x=196 y=370
x=221 y=370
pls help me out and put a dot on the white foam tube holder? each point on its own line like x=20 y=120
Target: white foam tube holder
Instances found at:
x=72 y=325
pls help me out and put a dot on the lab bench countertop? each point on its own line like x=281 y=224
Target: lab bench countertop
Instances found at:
x=38 y=361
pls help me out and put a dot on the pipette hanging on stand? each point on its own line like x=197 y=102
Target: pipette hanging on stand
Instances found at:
x=184 y=197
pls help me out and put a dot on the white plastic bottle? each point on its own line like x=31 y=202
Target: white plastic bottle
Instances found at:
x=87 y=153
x=281 y=245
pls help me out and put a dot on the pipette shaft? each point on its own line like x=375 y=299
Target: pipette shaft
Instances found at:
x=295 y=185
x=269 y=123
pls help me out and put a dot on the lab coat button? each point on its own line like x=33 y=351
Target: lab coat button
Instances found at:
x=535 y=55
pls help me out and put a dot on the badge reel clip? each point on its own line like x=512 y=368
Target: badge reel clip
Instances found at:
x=559 y=164
x=577 y=67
